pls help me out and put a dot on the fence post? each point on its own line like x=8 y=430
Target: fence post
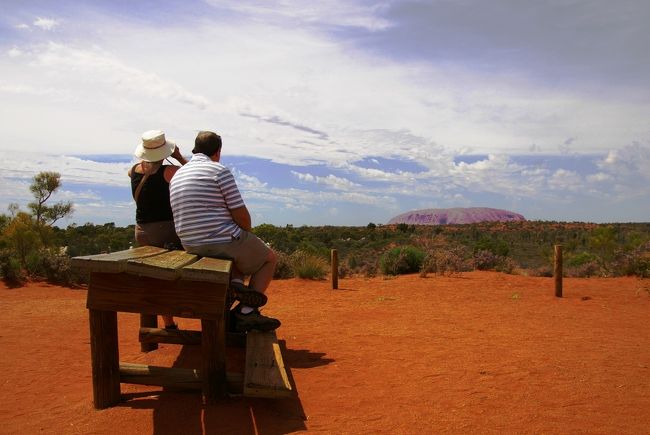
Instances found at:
x=335 y=269
x=557 y=271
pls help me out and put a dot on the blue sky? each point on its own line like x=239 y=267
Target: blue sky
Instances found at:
x=337 y=112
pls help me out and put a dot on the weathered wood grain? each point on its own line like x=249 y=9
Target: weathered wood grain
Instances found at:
x=166 y=265
x=214 y=270
x=114 y=262
x=213 y=360
x=185 y=337
x=172 y=377
x=104 y=353
x=265 y=374
x=138 y=294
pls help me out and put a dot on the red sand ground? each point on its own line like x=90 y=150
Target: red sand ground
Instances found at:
x=482 y=353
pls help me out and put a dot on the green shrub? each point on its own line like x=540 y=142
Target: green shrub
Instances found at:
x=283 y=269
x=34 y=265
x=308 y=266
x=580 y=259
x=58 y=268
x=402 y=260
x=10 y=269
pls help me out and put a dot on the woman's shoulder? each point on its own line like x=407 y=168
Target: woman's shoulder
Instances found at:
x=135 y=169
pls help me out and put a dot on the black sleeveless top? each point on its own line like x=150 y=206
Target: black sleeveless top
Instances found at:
x=153 y=202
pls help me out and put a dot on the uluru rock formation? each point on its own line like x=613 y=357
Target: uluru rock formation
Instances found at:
x=442 y=216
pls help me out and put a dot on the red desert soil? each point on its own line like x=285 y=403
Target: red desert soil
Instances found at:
x=481 y=353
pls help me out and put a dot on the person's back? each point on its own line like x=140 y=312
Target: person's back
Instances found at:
x=212 y=220
x=153 y=199
x=202 y=193
x=150 y=188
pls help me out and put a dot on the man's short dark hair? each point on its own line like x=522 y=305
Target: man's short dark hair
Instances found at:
x=207 y=143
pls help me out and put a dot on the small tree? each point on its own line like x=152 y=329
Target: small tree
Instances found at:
x=22 y=237
x=43 y=186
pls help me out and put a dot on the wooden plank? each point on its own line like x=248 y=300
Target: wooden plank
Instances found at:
x=208 y=269
x=139 y=294
x=162 y=266
x=265 y=374
x=173 y=377
x=185 y=337
x=148 y=321
x=104 y=356
x=114 y=262
x=213 y=359
x=171 y=336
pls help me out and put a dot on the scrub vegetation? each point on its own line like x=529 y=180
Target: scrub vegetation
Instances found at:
x=32 y=248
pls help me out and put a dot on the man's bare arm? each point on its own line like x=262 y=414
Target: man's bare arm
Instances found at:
x=242 y=217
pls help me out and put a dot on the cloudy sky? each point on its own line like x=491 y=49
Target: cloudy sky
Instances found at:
x=338 y=112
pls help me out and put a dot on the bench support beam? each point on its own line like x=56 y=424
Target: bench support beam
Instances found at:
x=105 y=358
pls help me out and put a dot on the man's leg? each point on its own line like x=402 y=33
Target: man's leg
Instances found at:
x=261 y=279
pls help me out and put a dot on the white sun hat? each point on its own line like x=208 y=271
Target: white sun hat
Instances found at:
x=154 y=147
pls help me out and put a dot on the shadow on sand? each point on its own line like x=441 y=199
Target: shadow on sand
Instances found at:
x=177 y=412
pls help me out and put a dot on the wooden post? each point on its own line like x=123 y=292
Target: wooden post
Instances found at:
x=557 y=271
x=148 y=321
x=213 y=367
x=104 y=355
x=335 y=269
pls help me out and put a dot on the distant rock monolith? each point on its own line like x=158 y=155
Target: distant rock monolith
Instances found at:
x=444 y=216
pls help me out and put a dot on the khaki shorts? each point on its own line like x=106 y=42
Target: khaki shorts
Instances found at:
x=156 y=234
x=248 y=252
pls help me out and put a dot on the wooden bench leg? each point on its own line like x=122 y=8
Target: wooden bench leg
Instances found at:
x=105 y=358
x=148 y=321
x=213 y=347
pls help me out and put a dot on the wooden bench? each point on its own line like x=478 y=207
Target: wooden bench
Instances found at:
x=153 y=281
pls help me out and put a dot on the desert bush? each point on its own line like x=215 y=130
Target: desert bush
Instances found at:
x=34 y=265
x=635 y=262
x=485 y=260
x=22 y=237
x=58 y=268
x=505 y=265
x=580 y=259
x=10 y=269
x=445 y=261
x=541 y=271
x=283 y=269
x=585 y=270
x=401 y=260
x=308 y=266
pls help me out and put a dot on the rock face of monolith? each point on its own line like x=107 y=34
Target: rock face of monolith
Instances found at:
x=444 y=216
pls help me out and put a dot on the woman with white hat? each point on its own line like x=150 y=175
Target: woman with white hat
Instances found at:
x=150 y=187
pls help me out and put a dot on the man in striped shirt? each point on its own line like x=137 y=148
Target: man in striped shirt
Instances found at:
x=212 y=220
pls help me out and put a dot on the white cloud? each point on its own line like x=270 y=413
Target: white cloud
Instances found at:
x=100 y=67
x=23 y=166
x=22 y=26
x=599 y=177
x=330 y=180
x=565 y=180
x=324 y=12
x=14 y=52
x=46 y=23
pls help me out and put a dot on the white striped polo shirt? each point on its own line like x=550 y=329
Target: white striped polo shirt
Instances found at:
x=202 y=193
